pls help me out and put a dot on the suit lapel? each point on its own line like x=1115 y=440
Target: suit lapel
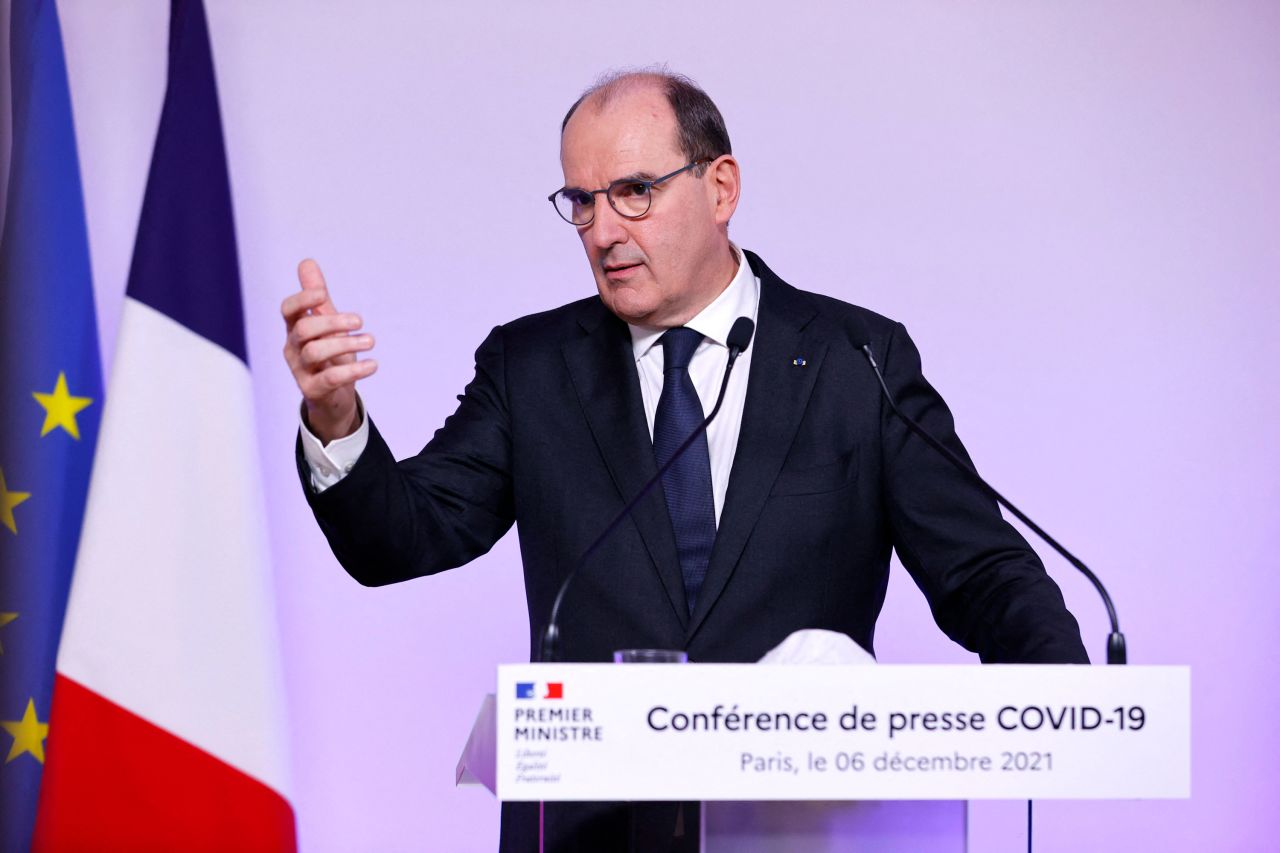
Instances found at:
x=614 y=410
x=777 y=394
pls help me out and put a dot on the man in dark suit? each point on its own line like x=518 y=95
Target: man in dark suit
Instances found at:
x=785 y=516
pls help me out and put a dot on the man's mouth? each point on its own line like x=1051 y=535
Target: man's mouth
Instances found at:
x=616 y=272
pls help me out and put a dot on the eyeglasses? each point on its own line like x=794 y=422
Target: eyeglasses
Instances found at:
x=629 y=196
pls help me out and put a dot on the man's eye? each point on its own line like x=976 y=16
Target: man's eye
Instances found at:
x=629 y=191
x=581 y=198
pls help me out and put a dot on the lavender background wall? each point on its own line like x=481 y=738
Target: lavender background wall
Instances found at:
x=1073 y=207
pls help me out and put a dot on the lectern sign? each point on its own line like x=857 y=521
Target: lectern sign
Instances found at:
x=750 y=732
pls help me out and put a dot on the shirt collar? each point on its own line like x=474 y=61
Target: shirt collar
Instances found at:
x=739 y=299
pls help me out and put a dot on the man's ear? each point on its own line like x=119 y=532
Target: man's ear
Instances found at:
x=724 y=183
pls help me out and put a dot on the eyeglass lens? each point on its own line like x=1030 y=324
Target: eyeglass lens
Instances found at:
x=630 y=198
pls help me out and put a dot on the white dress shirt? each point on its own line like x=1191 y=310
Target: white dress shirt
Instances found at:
x=329 y=463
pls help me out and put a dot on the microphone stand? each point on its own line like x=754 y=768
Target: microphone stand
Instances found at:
x=1116 y=652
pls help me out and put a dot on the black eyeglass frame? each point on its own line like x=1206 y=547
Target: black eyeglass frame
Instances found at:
x=608 y=194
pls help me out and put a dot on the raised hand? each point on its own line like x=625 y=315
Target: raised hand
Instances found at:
x=320 y=348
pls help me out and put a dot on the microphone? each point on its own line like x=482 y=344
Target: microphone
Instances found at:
x=1116 y=652
x=738 y=341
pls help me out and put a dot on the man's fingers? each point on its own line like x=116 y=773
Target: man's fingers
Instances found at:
x=297 y=304
x=310 y=277
x=320 y=350
x=330 y=379
x=315 y=326
x=320 y=347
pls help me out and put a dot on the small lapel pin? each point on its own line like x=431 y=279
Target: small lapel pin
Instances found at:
x=799 y=362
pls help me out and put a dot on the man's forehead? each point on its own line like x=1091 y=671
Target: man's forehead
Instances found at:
x=629 y=131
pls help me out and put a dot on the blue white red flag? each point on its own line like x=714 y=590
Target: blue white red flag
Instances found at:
x=167 y=729
x=540 y=690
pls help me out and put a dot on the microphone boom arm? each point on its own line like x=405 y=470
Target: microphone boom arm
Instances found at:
x=1116 y=651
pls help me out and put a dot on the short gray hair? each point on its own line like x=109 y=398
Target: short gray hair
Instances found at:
x=700 y=127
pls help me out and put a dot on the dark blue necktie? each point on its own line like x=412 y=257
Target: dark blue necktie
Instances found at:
x=687 y=485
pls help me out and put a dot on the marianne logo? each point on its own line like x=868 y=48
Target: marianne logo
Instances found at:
x=529 y=690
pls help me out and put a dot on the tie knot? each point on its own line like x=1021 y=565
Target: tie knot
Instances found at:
x=678 y=346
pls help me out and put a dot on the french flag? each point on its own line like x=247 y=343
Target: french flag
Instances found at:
x=528 y=690
x=167 y=729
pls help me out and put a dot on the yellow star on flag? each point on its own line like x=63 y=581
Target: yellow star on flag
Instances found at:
x=28 y=734
x=5 y=619
x=60 y=408
x=8 y=500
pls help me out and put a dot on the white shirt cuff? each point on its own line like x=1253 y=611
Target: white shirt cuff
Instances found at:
x=329 y=463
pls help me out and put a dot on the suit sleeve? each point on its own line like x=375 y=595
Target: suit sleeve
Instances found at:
x=987 y=589
x=390 y=521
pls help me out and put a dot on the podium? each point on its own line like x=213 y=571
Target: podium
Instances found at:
x=898 y=745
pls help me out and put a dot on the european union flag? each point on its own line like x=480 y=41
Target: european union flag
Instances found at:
x=50 y=399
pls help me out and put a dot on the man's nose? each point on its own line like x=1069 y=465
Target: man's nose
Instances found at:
x=608 y=227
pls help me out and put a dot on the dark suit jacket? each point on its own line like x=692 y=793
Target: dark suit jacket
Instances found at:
x=551 y=434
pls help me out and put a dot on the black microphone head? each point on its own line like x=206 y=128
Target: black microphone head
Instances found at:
x=549 y=648
x=740 y=334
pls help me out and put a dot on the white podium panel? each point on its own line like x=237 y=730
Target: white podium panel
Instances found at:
x=747 y=732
